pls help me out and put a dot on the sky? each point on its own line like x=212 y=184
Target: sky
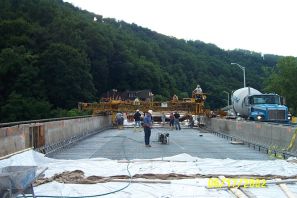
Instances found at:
x=264 y=26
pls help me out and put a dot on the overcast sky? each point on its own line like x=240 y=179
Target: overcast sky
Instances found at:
x=266 y=26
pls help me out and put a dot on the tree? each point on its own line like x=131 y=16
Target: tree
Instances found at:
x=283 y=81
x=19 y=72
x=19 y=108
x=160 y=98
x=51 y=51
x=65 y=71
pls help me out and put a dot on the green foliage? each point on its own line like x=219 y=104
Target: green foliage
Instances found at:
x=283 y=81
x=65 y=72
x=58 y=113
x=183 y=95
x=76 y=112
x=56 y=55
x=19 y=108
x=160 y=98
x=18 y=72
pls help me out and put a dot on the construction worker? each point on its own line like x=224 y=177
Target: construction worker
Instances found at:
x=120 y=120
x=171 y=120
x=191 y=121
x=176 y=121
x=163 y=118
x=196 y=92
x=136 y=101
x=137 y=116
x=175 y=98
x=147 y=125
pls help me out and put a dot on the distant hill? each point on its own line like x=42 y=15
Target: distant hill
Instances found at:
x=54 y=55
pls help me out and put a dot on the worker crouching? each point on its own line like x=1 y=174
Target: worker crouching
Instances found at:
x=119 y=120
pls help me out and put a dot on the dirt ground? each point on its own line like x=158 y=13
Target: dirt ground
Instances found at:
x=78 y=177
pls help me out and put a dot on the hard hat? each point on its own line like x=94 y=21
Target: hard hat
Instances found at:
x=137 y=110
x=150 y=111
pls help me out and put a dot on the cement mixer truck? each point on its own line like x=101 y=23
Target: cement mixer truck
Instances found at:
x=252 y=104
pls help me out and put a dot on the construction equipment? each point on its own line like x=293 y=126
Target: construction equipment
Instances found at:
x=252 y=104
x=15 y=180
x=192 y=106
x=163 y=138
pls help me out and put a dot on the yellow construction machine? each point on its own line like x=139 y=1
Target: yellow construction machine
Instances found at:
x=193 y=106
x=186 y=106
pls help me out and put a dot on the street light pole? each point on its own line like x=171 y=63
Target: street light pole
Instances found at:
x=243 y=69
x=228 y=97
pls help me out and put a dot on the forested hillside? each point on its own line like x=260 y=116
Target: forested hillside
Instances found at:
x=53 y=55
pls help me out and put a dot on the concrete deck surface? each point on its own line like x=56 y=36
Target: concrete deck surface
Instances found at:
x=129 y=144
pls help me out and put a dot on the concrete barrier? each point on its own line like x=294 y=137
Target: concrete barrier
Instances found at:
x=12 y=139
x=16 y=138
x=266 y=134
x=64 y=129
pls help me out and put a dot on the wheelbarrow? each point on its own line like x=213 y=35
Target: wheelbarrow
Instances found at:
x=15 y=180
x=5 y=186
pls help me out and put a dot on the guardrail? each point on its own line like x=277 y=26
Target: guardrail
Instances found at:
x=270 y=122
x=41 y=120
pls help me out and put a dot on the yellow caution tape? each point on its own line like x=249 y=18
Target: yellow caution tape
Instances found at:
x=292 y=140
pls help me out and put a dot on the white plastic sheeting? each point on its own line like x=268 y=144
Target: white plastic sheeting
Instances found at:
x=179 y=164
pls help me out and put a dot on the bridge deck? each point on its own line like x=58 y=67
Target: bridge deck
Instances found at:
x=128 y=144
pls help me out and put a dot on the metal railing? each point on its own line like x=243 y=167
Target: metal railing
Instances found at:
x=41 y=120
x=50 y=149
x=255 y=146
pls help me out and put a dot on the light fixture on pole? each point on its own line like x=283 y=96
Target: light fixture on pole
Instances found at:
x=243 y=69
x=228 y=97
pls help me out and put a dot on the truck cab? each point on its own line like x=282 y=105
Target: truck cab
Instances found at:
x=266 y=107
